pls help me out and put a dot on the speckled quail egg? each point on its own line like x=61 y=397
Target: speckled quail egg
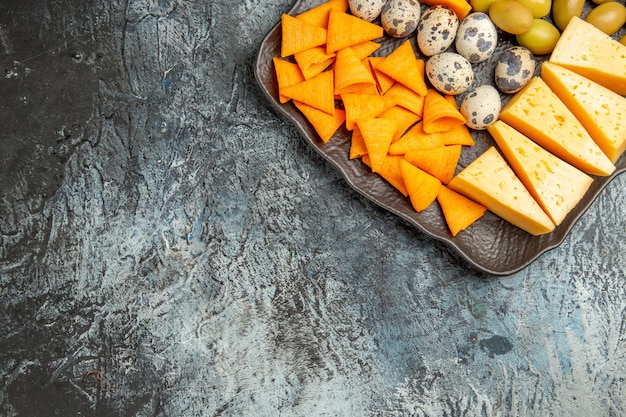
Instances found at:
x=449 y=73
x=436 y=30
x=367 y=10
x=514 y=69
x=481 y=107
x=399 y=17
x=476 y=37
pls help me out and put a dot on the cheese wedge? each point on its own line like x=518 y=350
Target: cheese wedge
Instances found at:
x=490 y=181
x=587 y=50
x=556 y=185
x=539 y=114
x=601 y=111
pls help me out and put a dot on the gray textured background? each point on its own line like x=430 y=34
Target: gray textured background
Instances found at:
x=169 y=247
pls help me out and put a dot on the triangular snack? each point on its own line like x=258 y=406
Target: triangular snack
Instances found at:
x=459 y=211
x=358 y=149
x=351 y=75
x=364 y=49
x=318 y=15
x=403 y=66
x=287 y=73
x=316 y=92
x=364 y=106
x=390 y=171
x=405 y=119
x=451 y=98
x=420 y=83
x=324 y=124
x=458 y=136
x=367 y=64
x=406 y=98
x=383 y=81
x=601 y=111
x=313 y=61
x=346 y=30
x=440 y=114
x=421 y=186
x=440 y=162
x=377 y=134
x=414 y=139
x=298 y=35
x=340 y=5
x=556 y=185
x=366 y=89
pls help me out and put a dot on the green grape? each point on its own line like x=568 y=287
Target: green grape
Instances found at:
x=608 y=17
x=511 y=16
x=564 y=10
x=481 y=5
x=541 y=38
x=539 y=8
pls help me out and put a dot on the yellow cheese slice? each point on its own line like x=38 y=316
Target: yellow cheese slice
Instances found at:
x=587 y=50
x=539 y=114
x=556 y=185
x=490 y=181
x=601 y=111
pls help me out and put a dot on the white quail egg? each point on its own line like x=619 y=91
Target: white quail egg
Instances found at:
x=436 y=30
x=367 y=10
x=449 y=73
x=399 y=17
x=515 y=67
x=481 y=107
x=476 y=38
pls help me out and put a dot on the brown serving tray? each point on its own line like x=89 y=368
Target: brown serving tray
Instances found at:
x=491 y=244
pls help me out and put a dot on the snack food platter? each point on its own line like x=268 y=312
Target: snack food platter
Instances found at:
x=491 y=244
